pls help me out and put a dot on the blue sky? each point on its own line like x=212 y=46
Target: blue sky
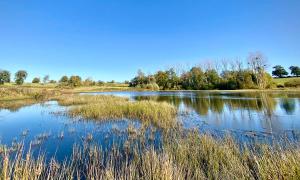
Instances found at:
x=111 y=39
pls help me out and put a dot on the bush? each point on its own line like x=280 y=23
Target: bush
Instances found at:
x=292 y=83
x=75 y=81
x=152 y=86
x=36 y=80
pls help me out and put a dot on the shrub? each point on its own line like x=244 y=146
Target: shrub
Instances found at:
x=36 y=80
x=292 y=83
x=152 y=86
x=75 y=81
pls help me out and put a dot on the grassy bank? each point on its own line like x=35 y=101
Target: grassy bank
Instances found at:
x=193 y=156
x=281 y=81
x=101 y=107
x=13 y=97
x=17 y=93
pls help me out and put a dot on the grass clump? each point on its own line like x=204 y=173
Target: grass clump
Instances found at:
x=101 y=107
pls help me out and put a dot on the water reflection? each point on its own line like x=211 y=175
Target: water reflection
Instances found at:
x=289 y=105
x=245 y=115
x=256 y=113
x=202 y=103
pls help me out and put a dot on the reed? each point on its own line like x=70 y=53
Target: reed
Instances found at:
x=103 y=107
x=193 y=156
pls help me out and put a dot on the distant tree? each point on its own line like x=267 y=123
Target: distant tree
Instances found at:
x=64 y=80
x=212 y=78
x=139 y=80
x=126 y=82
x=258 y=63
x=162 y=79
x=20 y=77
x=36 y=80
x=173 y=79
x=198 y=78
x=295 y=70
x=46 y=79
x=279 y=71
x=52 y=81
x=4 y=76
x=75 y=81
x=89 y=82
x=100 y=83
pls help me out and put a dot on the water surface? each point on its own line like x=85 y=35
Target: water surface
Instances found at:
x=270 y=116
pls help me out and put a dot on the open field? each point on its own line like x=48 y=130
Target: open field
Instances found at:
x=281 y=81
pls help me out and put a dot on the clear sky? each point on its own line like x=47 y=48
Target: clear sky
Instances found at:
x=111 y=39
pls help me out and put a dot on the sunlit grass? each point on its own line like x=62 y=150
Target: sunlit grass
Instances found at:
x=281 y=81
x=101 y=107
x=13 y=93
x=193 y=156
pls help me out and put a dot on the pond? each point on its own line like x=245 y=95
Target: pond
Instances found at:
x=247 y=116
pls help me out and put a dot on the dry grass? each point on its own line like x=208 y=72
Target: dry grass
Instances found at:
x=13 y=98
x=14 y=105
x=192 y=157
x=103 y=107
x=14 y=93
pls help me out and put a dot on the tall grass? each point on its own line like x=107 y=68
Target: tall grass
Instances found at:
x=13 y=93
x=193 y=156
x=103 y=107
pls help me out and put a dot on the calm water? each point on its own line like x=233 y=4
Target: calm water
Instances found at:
x=247 y=116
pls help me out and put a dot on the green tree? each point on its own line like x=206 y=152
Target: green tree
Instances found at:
x=198 y=78
x=89 y=82
x=279 y=71
x=64 y=80
x=139 y=80
x=173 y=79
x=20 y=77
x=295 y=70
x=162 y=79
x=4 y=76
x=36 y=80
x=186 y=80
x=212 y=78
x=75 y=81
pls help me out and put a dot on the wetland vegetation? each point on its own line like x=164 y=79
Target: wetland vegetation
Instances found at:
x=101 y=107
x=192 y=156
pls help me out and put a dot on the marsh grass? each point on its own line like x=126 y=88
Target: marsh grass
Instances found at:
x=192 y=156
x=101 y=107
x=17 y=93
x=13 y=98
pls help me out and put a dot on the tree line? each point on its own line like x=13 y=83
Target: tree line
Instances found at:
x=72 y=81
x=280 y=72
x=228 y=74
